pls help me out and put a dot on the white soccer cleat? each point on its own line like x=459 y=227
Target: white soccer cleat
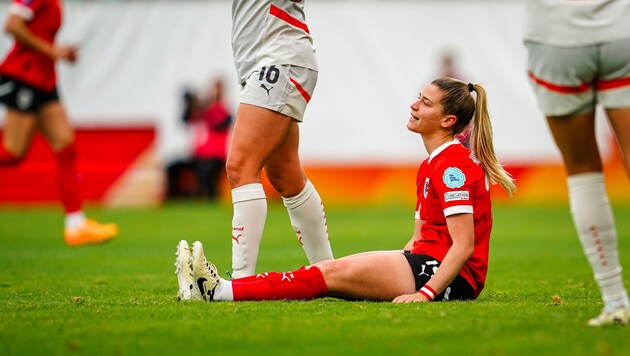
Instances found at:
x=619 y=316
x=183 y=270
x=205 y=274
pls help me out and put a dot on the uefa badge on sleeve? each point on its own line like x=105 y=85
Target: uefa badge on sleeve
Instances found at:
x=454 y=177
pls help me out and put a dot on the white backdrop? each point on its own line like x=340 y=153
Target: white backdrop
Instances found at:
x=374 y=58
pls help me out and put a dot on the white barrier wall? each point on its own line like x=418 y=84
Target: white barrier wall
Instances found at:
x=374 y=58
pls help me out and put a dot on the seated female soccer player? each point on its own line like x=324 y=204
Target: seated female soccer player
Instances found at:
x=447 y=257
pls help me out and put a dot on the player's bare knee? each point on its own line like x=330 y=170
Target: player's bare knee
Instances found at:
x=236 y=172
x=328 y=268
x=232 y=174
x=12 y=156
x=334 y=271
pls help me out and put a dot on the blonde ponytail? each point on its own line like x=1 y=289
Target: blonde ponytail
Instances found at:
x=482 y=146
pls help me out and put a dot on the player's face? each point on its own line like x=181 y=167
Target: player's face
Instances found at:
x=426 y=111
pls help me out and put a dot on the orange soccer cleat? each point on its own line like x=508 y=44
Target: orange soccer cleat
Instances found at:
x=90 y=232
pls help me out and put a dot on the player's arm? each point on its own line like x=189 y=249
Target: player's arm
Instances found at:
x=461 y=227
x=17 y=27
x=416 y=234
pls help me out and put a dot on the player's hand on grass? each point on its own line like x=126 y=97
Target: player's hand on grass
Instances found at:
x=411 y=298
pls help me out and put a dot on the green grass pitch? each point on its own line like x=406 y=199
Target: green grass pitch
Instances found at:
x=119 y=298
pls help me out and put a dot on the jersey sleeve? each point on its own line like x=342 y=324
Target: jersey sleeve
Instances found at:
x=453 y=184
x=25 y=8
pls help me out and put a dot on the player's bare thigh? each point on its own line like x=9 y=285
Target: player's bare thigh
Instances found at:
x=614 y=92
x=18 y=131
x=53 y=123
x=256 y=134
x=375 y=276
x=575 y=137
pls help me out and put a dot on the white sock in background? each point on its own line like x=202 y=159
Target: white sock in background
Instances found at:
x=248 y=222
x=74 y=220
x=595 y=225
x=308 y=218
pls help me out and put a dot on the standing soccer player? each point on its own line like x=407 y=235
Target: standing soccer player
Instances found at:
x=275 y=60
x=28 y=89
x=579 y=56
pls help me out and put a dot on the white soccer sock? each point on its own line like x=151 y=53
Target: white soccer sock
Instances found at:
x=223 y=291
x=595 y=225
x=250 y=213
x=308 y=218
x=74 y=220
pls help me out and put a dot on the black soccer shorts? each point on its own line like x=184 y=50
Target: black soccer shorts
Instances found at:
x=424 y=266
x=20 y=96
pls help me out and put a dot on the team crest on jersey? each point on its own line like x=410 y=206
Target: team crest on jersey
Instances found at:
x=454 y=177
x=425 y=191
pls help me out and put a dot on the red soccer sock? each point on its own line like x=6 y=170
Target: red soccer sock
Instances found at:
x=7 y=158
x=252 y=278
x=68 y=179
x=302 y=284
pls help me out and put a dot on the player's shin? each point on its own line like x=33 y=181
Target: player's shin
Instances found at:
x=595 y=224
x=308 y=219
x=68 y=179
x=248 y=222
x=302 y=284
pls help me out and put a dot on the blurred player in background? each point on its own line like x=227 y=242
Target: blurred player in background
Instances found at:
x=211 y=140
x=28 y=89
x=448 y=66
x=276 y=65
x=447 y=256
x=579 y=56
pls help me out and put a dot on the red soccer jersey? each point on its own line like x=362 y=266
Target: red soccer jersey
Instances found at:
x=452 y=182
x=25 y=64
